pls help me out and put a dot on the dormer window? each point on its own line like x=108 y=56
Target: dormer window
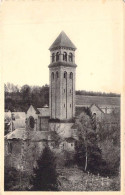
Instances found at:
x=70 y=57
x=53 y=57
x=57 y=56
x=65 y=56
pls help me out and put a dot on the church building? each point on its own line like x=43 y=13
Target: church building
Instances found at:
x=48 y=124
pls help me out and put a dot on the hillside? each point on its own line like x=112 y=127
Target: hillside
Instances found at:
x=19 y=99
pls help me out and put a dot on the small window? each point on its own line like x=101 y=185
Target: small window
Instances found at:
x=57 y=75
x=65 y=75
x=53 y=57
x=57 y=56
x=52 y=75
x=70 y=57
x=70 y=105
x=71 y=75
x=64 y=105
x=64 y=90
x=64 y=56
x=71 y=144
x=70 y=90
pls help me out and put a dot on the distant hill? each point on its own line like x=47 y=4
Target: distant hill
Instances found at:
x=19 y=99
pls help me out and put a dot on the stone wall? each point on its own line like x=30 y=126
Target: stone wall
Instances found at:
x=62 y=93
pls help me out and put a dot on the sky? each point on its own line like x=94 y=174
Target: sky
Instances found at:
x=29 y=27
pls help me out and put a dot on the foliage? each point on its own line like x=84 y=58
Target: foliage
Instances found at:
x=109 y=141
x=19 y=100
x=88 y=154
x=44 y=176
x=11 y=177
x=92 y=93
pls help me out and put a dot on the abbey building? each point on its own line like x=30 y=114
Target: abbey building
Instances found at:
x=54 y=124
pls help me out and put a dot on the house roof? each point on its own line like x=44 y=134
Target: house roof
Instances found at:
x=16 y=134
x=97 y=107
x=19 y=123
x=22 y=134
x=17 y=115
x=44 y=111
x=62 y=41
x=98 y=100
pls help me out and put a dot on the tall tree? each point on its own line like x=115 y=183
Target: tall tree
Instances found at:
x=88 y=154
x=44 y=176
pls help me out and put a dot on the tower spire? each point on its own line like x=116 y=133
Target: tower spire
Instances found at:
x=62 y=41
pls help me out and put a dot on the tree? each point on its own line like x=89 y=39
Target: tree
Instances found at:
x=11 y=177
x=88 y=155
x=109 y=141
x=26 y=92
x=45 y=177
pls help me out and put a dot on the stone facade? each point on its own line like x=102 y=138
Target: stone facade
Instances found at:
x=62 y=80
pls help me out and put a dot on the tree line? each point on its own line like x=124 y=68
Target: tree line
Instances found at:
x=19 y=98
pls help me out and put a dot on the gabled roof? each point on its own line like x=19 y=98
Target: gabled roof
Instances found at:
x=98 y=100
x=62 y=41
x=34 y=107
x=97 y=107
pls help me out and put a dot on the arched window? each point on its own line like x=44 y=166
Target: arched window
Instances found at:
x=64 y=56
x=71 y=75
x=57 y=56
x=57 y=74
x=53 y=57
x=65 y=75
x=70 y=57
x=52 y=75
x=31 y=122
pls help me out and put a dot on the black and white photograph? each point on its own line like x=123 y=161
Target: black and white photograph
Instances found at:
x=62 y=81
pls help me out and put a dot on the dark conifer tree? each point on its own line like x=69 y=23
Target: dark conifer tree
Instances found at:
x=44 y=176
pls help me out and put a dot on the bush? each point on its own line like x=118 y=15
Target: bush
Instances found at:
x=44 y=176
x=11 y=177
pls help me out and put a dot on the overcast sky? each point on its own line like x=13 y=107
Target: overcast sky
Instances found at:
x=94 y=26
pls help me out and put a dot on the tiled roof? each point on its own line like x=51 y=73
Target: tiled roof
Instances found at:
x=98 y=100
x=62 y=41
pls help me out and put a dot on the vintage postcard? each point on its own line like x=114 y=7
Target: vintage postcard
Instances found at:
x=62 y=96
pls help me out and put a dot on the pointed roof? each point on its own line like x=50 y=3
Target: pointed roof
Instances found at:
x=62 y=41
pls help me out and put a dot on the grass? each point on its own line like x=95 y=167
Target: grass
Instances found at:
x=73 y=179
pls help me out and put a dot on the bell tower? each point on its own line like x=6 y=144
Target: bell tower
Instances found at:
x=62 y=69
